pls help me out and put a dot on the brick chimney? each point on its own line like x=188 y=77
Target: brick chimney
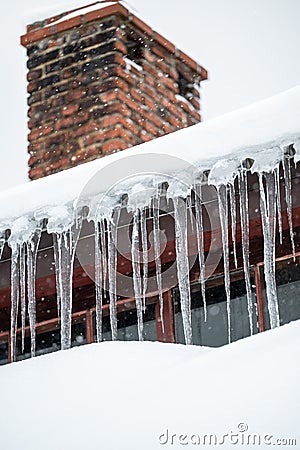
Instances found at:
x=99 y=81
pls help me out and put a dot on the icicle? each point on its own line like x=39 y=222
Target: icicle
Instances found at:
x=137 y=280
x=268 y=215
x=57 y=244
x=21 y=240
x=156 y=242
x=98 y=282
x=182 y=262
x=233 y=219
x=288 y=198
x=223 y=211
x=189 y=205
x=244 y=215
x=103 y=254
x=32 y=248
x=200 y=242
x=15 y=296
x=145 y=255
x=278 y=200
x=22 y=257
x=64 y=244
x=112 y=269
x=2 y=243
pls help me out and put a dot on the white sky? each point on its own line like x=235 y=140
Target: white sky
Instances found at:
x=251 y=49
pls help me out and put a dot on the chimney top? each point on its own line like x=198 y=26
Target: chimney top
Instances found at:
x=99 y=10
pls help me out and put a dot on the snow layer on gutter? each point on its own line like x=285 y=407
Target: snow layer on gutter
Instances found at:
x=260 y=131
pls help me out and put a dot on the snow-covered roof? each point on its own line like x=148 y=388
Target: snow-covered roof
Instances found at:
x=245 y=390
x=259 y=131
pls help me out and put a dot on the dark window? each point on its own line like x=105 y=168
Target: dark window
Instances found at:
x=127 y=325
x=3 y=353
x=49 y=341
x=214 y=332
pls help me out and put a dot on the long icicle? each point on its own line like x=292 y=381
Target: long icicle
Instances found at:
x=278 y=201
x=223 y=212
x=244 y=215
x=112 y=270
x=288 y=197
x=2 y=243
x=15 y=296
x=145 y=254
x=268 y=215
x=156 y=239
x=136 y=267
x=23 y=291
x=32 y=248
x=103 y=254
x=64 y=253
x=98 y=282
x=232 y=200
x=189 y=205
x=182 y=262
x=200 y=243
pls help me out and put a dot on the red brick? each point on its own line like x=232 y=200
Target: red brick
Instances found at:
x=145 y=136
x=137 y=97
x=130 y=126
x=167 y=128
x=195 y=104
x=119 y=46
x=149 y=56
x=174 y=121
x=64 y=123
x=149 y=80
x=70 y=109
x=31 y=87
x=153 y=118
x=107 y=97
x=114 y=145
x=40 y=132
x=109 y=121
x=151 y=129
x=150 y=104
x=34 y=74
x=170 y=83
x=87 y=128
x=34 y=36
x=135 y=106
x=161 y=53
x=150 y=92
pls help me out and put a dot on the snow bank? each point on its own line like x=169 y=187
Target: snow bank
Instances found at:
x=248 y=132
x=124 y=395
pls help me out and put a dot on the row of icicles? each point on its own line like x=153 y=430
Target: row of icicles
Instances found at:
x=24 y=256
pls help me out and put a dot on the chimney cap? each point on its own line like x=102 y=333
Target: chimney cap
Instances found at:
x=99 y=10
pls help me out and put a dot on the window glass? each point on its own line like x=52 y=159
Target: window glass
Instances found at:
x=49 y=341
x=127 y=325
x=214 y=332
x=3 y=353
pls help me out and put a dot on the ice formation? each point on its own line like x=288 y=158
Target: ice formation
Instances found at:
x=64 y=223
x=60 y=215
